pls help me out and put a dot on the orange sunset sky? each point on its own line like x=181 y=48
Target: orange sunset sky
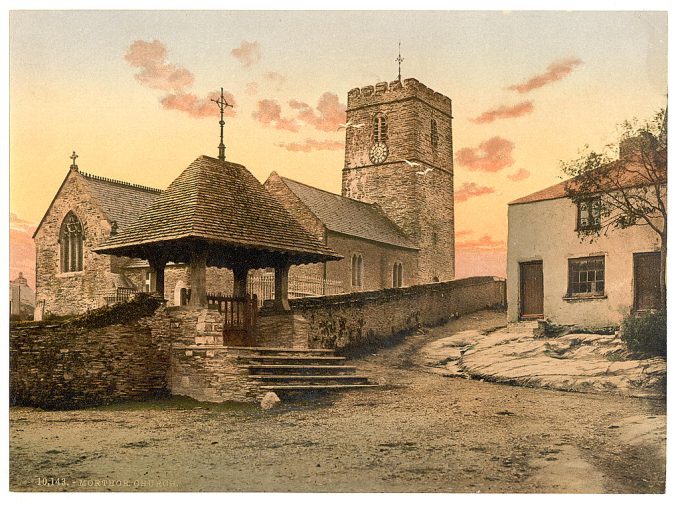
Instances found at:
x=129 y=92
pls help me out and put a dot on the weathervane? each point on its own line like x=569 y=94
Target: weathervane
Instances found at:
x=222 y=104
x=399 y=60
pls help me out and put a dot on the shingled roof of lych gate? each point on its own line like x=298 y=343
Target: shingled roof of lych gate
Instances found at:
x=348 y=216
x=220 y=203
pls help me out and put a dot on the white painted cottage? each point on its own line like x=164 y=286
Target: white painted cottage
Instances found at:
x=553 y=274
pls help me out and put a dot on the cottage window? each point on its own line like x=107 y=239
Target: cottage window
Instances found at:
x=397 y=275
x=379 y=128
x=434 y=135
x=586 y=277
x=589 y=214
x=357 y=271
x=71 y=244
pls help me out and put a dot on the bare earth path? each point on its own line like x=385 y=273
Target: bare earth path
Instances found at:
x=421 y=432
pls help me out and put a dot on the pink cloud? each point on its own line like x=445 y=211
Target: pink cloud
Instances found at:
x=198 y=107
x=505 y=112
x=313 y=145
x=471 y=190
x=520 y=175
x=251 y=88
x=463 y=233
x=155 y=72
x=555 y=72
x=275 y=79
x=248 y=53
x=328 y=115
x=484 y=243
x=21 y=248
x=268 y=113
x=490 y=156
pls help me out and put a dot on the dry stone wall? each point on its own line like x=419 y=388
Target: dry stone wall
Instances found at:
x=56 y=367
x=357 y=319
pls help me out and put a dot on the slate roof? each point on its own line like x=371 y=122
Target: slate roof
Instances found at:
x=222 y=203
x=627 y=173
x=122 y=202
x=348 y=216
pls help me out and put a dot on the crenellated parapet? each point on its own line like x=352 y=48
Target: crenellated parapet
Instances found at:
x=397 y=90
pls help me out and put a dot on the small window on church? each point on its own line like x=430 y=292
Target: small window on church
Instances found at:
x=71 y=242
x=397 y=275
x=434 y=134
x=379 y=128
x=357 y=271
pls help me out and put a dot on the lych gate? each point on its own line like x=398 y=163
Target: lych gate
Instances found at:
x=216 y=214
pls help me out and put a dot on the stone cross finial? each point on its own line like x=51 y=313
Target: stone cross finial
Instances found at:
x=73 y=157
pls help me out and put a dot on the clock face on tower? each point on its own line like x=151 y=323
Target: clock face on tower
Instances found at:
x=378 y=153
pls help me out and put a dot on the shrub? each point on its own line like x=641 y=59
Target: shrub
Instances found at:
x=645 y=333
x=142 y=305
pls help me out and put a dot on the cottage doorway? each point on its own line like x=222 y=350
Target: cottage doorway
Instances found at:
x=647 y=281
x=531 y=290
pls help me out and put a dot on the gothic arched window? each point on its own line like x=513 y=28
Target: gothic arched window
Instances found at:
x=397 y=275
x=71 y=241
x=357 y=271
x=379 y=128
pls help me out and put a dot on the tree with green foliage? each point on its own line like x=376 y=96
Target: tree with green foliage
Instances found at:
x=628 y=191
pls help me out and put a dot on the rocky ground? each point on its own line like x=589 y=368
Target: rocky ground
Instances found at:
x=421 y=431
x=572 y=362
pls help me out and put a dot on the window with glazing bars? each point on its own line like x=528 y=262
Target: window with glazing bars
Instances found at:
x=586 y=277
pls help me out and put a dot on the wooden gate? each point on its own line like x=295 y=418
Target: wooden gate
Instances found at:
x=531 y=290
x=240 y=316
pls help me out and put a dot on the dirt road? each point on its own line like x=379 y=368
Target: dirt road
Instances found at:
x=420 y=432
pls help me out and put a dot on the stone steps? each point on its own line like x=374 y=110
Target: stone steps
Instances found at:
x=291 y=371
x=358 y=379
x=286 y=359
x=264 y=351
x=317 y=387
x=300 y=369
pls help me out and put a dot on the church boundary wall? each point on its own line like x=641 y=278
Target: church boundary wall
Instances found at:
x=370 y=318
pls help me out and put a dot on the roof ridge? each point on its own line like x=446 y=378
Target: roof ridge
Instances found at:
x=329 y=192
x=121 y=183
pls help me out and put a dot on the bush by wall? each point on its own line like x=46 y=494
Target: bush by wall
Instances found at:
x=645 y=333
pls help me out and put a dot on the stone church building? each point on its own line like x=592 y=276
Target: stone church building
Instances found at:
x=393 y=223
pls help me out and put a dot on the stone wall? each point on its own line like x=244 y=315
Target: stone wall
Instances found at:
x=73 y=292
x=356 y=319
x=282 y=330
x=377 y=260
x=210 y=374
x=57 y=367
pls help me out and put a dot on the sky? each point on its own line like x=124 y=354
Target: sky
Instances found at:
x=129 y=92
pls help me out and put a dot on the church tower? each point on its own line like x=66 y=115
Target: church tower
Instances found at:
x=399 y=155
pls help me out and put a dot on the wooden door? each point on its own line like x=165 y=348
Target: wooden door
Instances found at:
x=647 y=280
x=531 y=290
